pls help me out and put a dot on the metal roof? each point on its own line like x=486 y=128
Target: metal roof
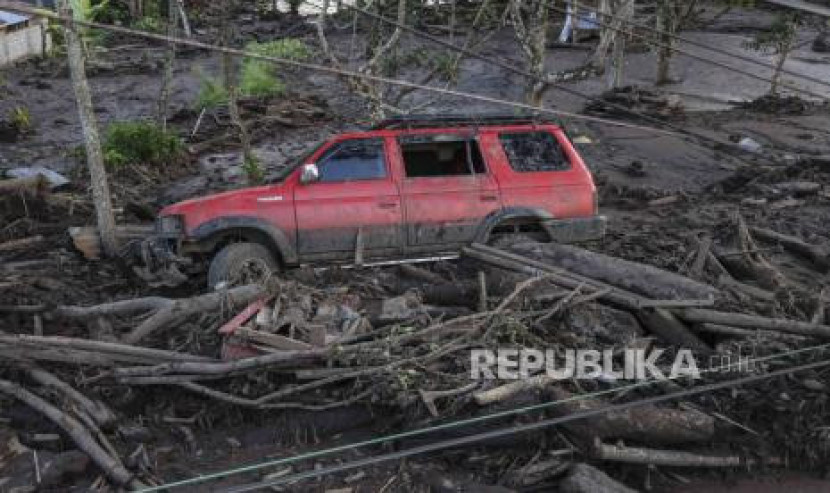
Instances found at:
x=10 y=18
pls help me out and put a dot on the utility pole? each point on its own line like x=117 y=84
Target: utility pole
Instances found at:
x=92 y=140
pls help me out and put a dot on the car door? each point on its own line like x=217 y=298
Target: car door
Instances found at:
x=354 y=201
x=446 y=188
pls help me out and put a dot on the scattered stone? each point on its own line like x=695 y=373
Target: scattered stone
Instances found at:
x=750 y=145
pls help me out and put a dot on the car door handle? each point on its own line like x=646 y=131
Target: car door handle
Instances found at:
x=387 y=205
x=489 y=198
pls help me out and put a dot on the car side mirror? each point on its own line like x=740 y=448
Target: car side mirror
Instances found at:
x=310 y=174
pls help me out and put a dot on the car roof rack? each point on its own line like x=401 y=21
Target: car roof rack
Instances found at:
x=396 y=122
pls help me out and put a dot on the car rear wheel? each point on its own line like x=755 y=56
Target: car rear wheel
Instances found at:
x=241 y=263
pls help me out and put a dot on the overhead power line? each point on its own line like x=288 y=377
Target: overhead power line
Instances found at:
x=708 y=47
x=464 y=422
x=330 y=70
x=524 y=428
x=700 y=58
x=699 y=138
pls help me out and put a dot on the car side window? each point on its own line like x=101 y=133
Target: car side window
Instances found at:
x=534 y=151
x=351 y=160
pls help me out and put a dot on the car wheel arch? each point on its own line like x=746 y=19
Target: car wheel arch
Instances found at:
x=217 y=233
x=512 y=215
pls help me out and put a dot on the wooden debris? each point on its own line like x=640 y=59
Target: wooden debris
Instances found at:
x=668 y=458
x=648 y=424
x=21 y=243
x=87 y=240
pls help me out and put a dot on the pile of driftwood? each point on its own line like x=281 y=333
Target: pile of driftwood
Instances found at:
x=401 y=339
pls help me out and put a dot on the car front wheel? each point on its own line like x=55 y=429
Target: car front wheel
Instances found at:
x=241 y=263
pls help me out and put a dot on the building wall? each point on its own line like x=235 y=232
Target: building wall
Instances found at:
x=29 y=41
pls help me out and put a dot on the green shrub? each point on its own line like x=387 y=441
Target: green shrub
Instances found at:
x=290 y=48
x=253 y=169
x=149 y=24
x=21 y=119
x=141 y=143
x=212 y=93
x=258 y=80
x=258 y=76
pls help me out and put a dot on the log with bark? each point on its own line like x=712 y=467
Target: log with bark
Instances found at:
x=646 y=424
x=646 y=280
x=818 y=255
x=669 y=458
x=85 y=441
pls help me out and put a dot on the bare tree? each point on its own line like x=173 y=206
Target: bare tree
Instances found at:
x=229 y=71
x=779 y=40
x=169 y=60
x=614 y=17
x=671 y=15
x=92 y=140
x=531 y=19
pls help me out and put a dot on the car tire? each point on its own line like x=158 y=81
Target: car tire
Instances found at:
x=508 y=240
x=241 y=263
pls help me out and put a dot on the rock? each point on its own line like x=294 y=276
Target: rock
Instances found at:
x=54 y=179
x=583 y=478
x=750 y=145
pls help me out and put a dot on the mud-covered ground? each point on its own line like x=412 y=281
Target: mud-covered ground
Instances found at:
x=701 y=190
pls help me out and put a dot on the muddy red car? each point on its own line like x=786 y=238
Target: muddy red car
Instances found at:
x=407 y=189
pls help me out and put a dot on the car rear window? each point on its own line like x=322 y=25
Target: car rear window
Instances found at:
x=533 y=151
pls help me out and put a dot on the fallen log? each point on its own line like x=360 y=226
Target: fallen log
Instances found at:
x=111 y=466
x=670 y=458
x=647 y=424
x=87 y=240
x=739 y=332
x=667 y=327
x=106 y=348
x=97 y=410
x=561 y=277
x=703 y=315
x=18 y=244
x=181 y=308
x=509 y=390
x=818 y=255
x=643 y=279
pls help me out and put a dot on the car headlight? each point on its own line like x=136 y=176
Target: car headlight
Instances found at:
x=170 y=225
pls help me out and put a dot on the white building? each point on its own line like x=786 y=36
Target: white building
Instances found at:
x=21 y=36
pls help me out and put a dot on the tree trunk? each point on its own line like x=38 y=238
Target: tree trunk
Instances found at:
x=776 y=75
x=666 y=24
x=94 y=155
x=169 y=60
x=231 y=86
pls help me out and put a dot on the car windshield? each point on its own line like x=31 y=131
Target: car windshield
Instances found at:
x=294 y=164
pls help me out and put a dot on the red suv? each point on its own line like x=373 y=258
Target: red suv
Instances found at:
x=409 y=188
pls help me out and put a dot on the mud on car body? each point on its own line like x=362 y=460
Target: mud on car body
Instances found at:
x=406 y=189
